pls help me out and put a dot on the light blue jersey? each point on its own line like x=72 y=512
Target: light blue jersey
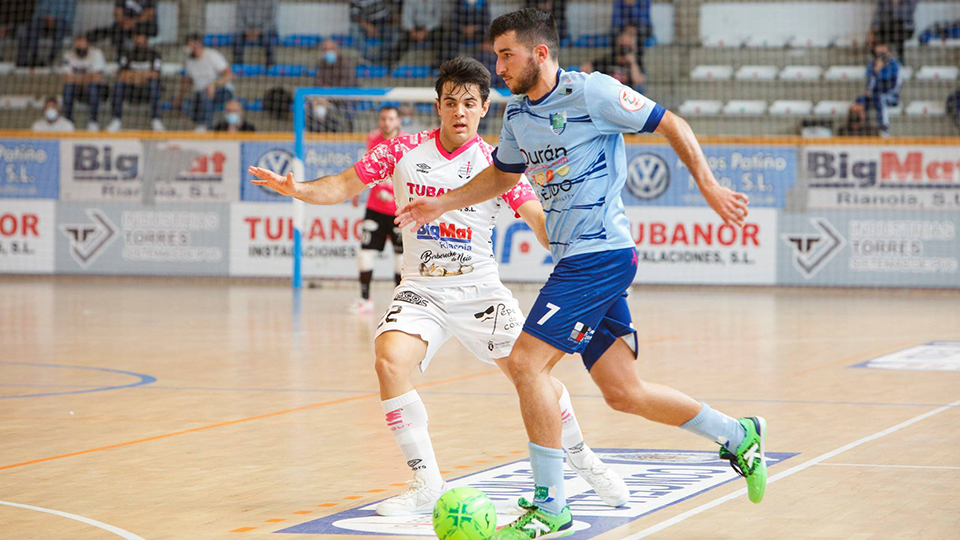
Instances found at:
x=570 y=145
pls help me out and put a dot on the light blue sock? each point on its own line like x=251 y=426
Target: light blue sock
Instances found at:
x=547 y=464
x=717 y=427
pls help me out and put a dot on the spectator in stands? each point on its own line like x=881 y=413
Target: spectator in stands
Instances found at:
x=335 y=69
x=419 y=24
x=256 y=25
x=884 y=78
x=409 y=123
x=130 y=17
x=856 y=124
x=15 y=14
x=208 y=72
x=622 y=62
x=233 y=121
x=892 y=23
x=633 y=14
x=488 y=58
x=138 y=80
x=323 y=116
x=83 y=79
x=52 y=19
x=52 y=121
x=557 y=8
x=468 y=22
x=373 y=20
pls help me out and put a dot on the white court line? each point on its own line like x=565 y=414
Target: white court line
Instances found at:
x=115 y=530
x=712 y=504
x=888 y=466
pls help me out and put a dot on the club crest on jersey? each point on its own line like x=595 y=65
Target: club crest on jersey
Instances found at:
x=558 y=122
x=630 y=100
x=465 y=170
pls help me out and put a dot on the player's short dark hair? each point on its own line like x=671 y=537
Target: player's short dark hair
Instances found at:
x=194 y=37
x=389 y=108
x=51 y=99
x=462 y=71
x=533 y=27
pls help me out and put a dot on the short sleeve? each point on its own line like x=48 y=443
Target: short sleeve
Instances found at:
x=380 y=162
x=507 y=157
x=519 y=194
x=615 y=108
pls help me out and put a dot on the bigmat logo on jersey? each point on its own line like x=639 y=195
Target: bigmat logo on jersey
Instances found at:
x=879 y=177
x=692 y=245
x=261 y=241
x=26 y=236
x=320 y=159
x=656 y=479
x=29 y=168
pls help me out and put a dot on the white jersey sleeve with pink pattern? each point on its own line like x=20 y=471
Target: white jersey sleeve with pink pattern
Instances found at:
x=380 y=161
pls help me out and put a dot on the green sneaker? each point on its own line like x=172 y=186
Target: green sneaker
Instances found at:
x=749 y=461
x=536 y=523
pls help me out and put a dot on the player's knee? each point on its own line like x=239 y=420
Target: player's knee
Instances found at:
x=389 y=367
x=518 y=370
x=622 y=399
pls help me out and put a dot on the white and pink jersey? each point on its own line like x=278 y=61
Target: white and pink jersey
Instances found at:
x=458 y=246
x=381 y=197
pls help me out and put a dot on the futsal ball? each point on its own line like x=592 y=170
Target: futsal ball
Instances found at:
x=464 y=513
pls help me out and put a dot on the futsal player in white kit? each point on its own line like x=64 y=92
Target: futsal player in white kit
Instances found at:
x=450 y=283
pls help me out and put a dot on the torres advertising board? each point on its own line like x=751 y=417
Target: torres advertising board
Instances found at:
x=851 y=177
x=161 y=171
x=26 y=236
x=320 y=159
x=129 y=238
x=29 y=168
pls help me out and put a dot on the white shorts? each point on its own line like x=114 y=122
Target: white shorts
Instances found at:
x=485 y=318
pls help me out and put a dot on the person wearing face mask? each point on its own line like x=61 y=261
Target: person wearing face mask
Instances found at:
x=884 y=79
x=233 y=120
x=83 y=79
x=324 y=116
x=623 y=63
x=138 y=80
x=335 y=69
x=209 y=75
x=52 y=121
x=256 y=24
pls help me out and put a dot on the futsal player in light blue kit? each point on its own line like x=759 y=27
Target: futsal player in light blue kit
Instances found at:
x=564 y=130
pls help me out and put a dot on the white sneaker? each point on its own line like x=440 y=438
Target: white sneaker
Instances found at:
x=604 y=481
x=93 y=126
x=417 y=499
x=157 y=125
x=114 y=125
x=200 y=129
x=361 y=307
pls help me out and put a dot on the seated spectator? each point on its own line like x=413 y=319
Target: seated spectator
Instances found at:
x=557 y=8
x=256 y=25
x=209 y=75
x=83 y=79
x=467 y=25
x=622 y=63
x=892 y=23
x=233 y=121
x=953 y=107
x=138 y=80
x=409 y=123
x=14 y=15
x=130 y=17
x=323 y=116
x=52 y=19
x=52 y=121
x=335 y=69
x=856 y=124
x=373 y=20
x=633 y=14
x=884 y=78
x=419 y=24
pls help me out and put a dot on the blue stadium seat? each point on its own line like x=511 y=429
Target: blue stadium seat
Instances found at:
x=248 y=70
x=589 y=41
x=217 y=40
x=285 y=70
x=301 y=40
x=343 y=40
x=412 y=72
x=371 y=72
x=252 y=104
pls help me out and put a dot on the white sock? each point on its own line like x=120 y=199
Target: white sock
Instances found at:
x=571 y=437
x=407 y=419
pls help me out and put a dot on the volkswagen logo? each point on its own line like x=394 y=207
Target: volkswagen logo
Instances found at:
x=648 y=176
x=278 y=161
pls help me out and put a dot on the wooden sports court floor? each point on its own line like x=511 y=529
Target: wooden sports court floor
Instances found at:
x=192 y=409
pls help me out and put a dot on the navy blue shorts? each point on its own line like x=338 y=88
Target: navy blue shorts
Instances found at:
x=583 y=306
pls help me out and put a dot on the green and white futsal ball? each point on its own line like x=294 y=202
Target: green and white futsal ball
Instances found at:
x=464 y=513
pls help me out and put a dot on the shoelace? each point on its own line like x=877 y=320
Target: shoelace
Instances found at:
x=417 y=487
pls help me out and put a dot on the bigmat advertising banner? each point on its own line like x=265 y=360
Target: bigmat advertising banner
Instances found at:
x=862 y=177
x=26 y=236
x=130 y=238
x=29 y=168
x=320 y=159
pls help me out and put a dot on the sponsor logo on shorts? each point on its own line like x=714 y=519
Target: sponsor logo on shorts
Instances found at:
x=494 y=345
x=580 y=333
x=410 y=298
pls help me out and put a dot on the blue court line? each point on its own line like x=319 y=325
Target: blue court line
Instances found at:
x=143 y=380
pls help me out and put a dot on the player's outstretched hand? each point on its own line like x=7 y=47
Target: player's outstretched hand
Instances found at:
x=419 y=212
x=283 y=186
x=729 y=204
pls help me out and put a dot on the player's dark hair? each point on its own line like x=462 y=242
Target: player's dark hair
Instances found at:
x=533 y=27
x=462 y=71
x=389 y=108
x=194 y=37
x=51 y=99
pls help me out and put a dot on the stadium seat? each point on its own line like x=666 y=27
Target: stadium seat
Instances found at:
x=788 y=107
x=937 y=73
x=592 y=41
x=778 y=41
x=711 y=73
x=849 y=42
x=701 y=107
x=745 y=106
x=248 y=70
x=111 y=68
x=845 y=73
x=14 y=103
x=906 y=72
x=896 y=111
x=756 y=73
x=801 y=73
x=6 y=68
x=301 y=40
x=412 y=72
x=285 y=70
x=371 y=72
x=217 y=40
x=926 y=108
x=720 y=41
x=948 y=43
x=170 y=70
x=810 y=42
x=36 y=70
x=832 y=108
